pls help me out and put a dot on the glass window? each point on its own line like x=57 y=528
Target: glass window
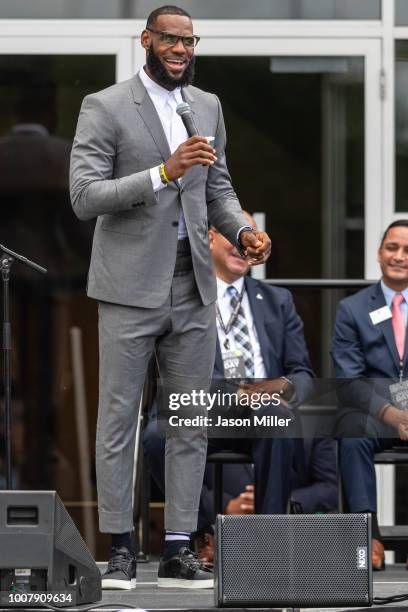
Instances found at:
x=40 y=99
x=296 y=153
x=401 y=12
x=210 y=9
x=401 y=126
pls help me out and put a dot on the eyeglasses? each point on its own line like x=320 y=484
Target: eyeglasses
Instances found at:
x=172 y=39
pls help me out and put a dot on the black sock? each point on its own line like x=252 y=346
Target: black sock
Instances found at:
x=172 y=544
x=375 y=530
x=122 y=539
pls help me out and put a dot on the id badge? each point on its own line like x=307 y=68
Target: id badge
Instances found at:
x=234 y=366
x=399 y=394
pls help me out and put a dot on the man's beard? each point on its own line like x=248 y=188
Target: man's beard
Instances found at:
x=161 y=75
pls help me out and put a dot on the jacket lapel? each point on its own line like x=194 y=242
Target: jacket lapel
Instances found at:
x=405 y=360
x=376 y=301
x=256 y=301
x=148 y=113
x=187 y=95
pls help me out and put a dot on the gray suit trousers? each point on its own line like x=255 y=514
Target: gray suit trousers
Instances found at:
x=182 y=332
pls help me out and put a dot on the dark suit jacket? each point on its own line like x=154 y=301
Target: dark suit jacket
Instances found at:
x=314 y=475
x=364 y=353
x=313 y=478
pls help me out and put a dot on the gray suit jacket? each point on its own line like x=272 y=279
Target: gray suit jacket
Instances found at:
x=119 y=138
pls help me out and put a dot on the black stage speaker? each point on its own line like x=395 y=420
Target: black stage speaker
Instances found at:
x=298 y=560
x=43 y=559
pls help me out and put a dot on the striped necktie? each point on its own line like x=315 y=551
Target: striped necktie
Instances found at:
x=241 y=333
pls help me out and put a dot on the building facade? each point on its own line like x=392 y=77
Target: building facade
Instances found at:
x=315 y=104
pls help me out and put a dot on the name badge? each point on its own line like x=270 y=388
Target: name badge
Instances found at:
x=380 y=315
x=234 y=366
x=399 y=394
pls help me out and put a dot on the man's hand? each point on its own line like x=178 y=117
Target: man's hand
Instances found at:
x=243 y=504
x=403 y=431
x=398 y=419
x=269 y=387
x=256 y=245
x=192 y=152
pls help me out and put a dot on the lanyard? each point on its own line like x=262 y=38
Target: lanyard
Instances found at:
x=234 y=315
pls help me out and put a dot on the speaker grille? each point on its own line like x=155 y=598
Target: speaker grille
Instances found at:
x=69 y=540
x=301 y=559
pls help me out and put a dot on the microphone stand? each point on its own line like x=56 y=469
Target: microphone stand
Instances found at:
x=6 y=261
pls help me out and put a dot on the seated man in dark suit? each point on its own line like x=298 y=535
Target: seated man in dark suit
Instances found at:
x=274 y=351
x=369 y=350
x=313 y=479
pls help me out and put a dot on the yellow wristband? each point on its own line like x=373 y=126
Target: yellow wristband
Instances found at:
x=163 y=175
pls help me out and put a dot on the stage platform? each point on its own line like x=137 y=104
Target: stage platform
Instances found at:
x=148 y=596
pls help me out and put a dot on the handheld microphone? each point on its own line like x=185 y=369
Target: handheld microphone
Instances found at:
x=183 y=109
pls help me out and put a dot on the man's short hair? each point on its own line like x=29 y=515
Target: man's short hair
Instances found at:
x=397 y=223
x=168 y=9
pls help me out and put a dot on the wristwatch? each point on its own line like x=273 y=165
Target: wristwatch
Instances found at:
x=245 y=228
x=287 y=390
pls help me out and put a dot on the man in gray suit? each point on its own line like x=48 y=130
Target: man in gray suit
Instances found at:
x=153 y=190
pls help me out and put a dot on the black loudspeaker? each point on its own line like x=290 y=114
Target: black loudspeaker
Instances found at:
x=298 y=560
x=43 y=559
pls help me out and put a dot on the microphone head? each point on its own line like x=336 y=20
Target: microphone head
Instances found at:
x=183 y=108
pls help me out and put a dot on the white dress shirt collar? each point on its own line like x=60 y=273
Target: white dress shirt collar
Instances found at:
x=389 y=293
x=222 y=287
x=160 y=95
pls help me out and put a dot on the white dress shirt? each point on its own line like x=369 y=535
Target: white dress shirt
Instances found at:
x=224 y=304
x=165 y=103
